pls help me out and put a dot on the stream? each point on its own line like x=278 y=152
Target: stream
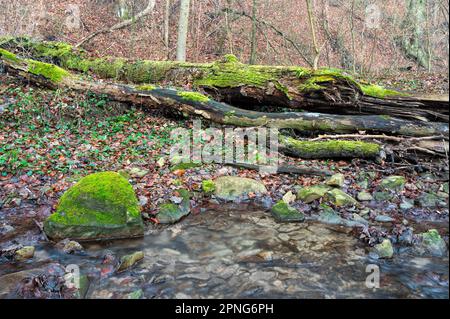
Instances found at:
x=236 y=253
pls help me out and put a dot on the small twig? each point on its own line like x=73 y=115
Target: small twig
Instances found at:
x=424 y=150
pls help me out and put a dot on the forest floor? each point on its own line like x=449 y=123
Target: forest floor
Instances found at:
x=50 y=139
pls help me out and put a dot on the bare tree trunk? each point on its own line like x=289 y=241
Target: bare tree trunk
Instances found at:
x=352 y=28
x=228 y=30
x=414 y=41
x=148 y=10
x=253 y=39
x=167 y=27
x=183 y=25
x=313 y=33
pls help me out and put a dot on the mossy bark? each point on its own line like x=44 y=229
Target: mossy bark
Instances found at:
x=199 y=105
x=329 y=149
x=228 y=80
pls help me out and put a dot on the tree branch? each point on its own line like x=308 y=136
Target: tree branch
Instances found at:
x=121 y=25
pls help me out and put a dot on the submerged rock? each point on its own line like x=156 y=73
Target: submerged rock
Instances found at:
x=311 y=193
x=24 y=253
x=385 y=249
x=6 y=229
x=282 y=212
x=340 y=198
x=337 y=180
x=329 y=216
x=394 y=183
x=138 y=294
x=100 y=206
x=433 y=243
x=359 y=219
x=70 y=246
x=232 y=187
x=130 y=260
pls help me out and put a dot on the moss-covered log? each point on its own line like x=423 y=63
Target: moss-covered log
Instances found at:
x=246 y=86
x=329 y=149
x=194 y=103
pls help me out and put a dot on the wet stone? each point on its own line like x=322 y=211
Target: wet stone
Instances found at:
x=433 y=243
x=337 y=180
x=340 y=198
x=385 y=249
x=24 y=253
x=428 y=200
x=282 y=212
x=383 y=196
x=384 y=219
x=311 y=193
x=364 y=196
x=393 y=183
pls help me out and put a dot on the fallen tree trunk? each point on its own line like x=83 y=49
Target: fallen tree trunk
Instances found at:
x=194 y=103
x=246 y=86
x=329 y=149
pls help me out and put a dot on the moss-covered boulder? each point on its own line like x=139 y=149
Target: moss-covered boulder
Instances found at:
x=282 y=212
x=232 y=187
x=311 y=193
x=100 y=206
x=340 y=198
x=394 y=183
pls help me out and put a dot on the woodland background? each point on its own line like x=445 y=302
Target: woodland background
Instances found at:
x=368 y=37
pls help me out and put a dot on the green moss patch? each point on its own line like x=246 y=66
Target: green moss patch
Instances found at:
x=147 y=87
x=282 y=212
x=8 y=56
x=185 y=166
x=170 y=213
x=379 y=91
x=101 y=205
x=193 y=97
x=49 y=71
x=332 y=148
x=208 y=186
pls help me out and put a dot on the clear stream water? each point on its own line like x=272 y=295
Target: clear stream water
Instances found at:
x=241 y=254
